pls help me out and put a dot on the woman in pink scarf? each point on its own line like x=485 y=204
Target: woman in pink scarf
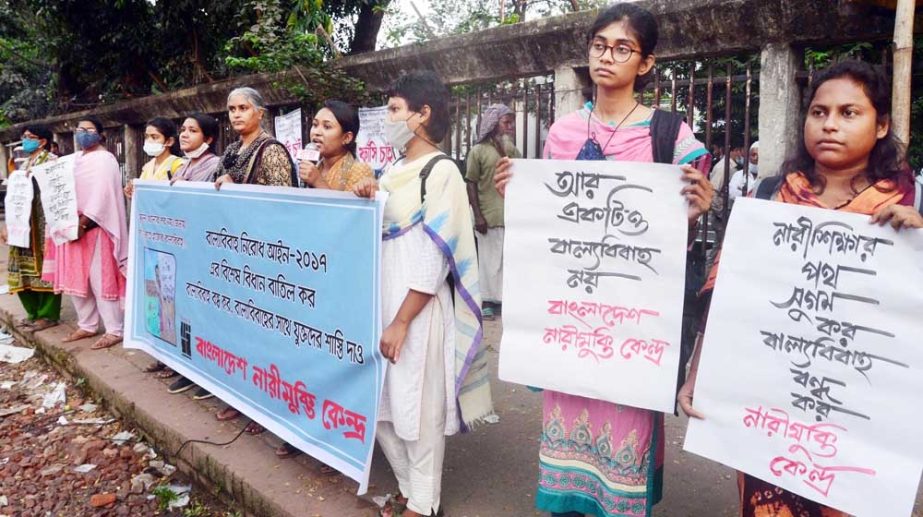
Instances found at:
x=91 y=269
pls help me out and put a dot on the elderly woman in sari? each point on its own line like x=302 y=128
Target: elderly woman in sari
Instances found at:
x=256 y=158
x=91 y=269
x=24 y=269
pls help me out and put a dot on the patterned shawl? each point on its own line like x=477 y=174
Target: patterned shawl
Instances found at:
x=239 y=165
x=797 y=190
x=446 y=218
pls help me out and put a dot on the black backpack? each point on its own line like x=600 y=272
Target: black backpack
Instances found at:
x=664 y=130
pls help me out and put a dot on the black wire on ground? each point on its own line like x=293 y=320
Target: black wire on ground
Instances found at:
x=206 y=442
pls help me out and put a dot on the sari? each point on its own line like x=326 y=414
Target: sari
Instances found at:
x=759 y=498
x=598 y=457
x=24 y=269
x=346 y=173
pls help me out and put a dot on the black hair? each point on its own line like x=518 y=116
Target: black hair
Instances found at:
x=424 y=88
x=886 y=160
x=167 y=128
x=348 y=119
x=640 y=22
x=209 y=126
x=93 y=119
x=42 y=131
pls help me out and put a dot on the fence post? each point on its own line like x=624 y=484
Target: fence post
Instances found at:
x=134 y=142
x=780 y=105
x=568 y=90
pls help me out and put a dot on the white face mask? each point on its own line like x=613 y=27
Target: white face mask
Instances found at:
x=153 y=149
x=198 y=152
x=398 y=134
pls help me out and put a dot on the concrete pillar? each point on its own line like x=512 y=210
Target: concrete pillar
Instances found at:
x=134 y=143
x=568 y=90
x=780 y=119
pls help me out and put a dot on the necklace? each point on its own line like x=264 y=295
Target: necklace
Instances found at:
x=617 y=126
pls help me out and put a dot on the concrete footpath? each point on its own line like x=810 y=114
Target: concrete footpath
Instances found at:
x=490 y=472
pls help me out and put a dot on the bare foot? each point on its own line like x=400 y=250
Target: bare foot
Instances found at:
x=77 y=335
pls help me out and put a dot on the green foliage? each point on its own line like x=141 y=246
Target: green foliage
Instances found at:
x=165 y=496
x=196 y=509
x=270 y=46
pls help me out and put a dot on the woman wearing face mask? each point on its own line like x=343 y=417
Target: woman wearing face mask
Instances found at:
x=24 y=269
x=494 y=142
x=197 y=139
x=437 y=383
x=333 y=132
x=160 y=143
x=742 y=185
x=256 y=158
x=91 y=269
x=197 y=134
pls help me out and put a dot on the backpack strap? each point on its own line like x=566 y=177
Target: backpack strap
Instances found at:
x=428 y=168
x=918 y=193
x=664 y=130
x=767 y=187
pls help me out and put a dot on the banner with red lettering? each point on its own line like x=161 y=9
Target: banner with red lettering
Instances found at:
x=594 y=267
x=812 y=364
x=270 y=299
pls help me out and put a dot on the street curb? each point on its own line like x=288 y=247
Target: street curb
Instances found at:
x=246 y=473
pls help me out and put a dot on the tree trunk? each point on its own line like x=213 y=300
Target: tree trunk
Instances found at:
x=367 y=26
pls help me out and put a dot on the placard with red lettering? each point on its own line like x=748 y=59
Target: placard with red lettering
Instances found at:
x=594 y=265
x=371 y=146
x=269 y=298
x=812 y=366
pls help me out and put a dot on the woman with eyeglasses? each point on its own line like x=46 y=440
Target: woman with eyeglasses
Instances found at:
x=597 y=457
x=24 y=268
x=91 y=269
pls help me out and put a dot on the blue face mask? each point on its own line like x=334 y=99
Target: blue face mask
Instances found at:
x=87 y=140
x=30 y=145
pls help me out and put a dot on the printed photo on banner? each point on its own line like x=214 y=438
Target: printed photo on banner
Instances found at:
x=160 y=294
x=372 y=148
x=277 y=313
x=810 y=371
x=595 y=254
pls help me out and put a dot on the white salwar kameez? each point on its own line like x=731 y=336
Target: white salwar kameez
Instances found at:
x=418 y=407
x=490 y=264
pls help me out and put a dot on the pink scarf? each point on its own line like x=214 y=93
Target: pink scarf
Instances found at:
x=98 y=182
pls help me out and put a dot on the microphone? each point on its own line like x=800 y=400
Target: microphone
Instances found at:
x=309 y=153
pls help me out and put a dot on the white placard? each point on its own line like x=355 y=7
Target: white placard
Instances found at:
x=19 y=193
x=373 y=148
x=810 y=372
x=59 y=198
x=288 y=131
x=594 y=268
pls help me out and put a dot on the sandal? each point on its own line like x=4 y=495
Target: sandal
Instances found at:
x=226 y=414
x=77 y=335
x=107 y=341
x=156 y=366
x=393 y=507
x=42 y=324
x=24 y=324
x=254 y=429
x=287 y=450
x=166 y=373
